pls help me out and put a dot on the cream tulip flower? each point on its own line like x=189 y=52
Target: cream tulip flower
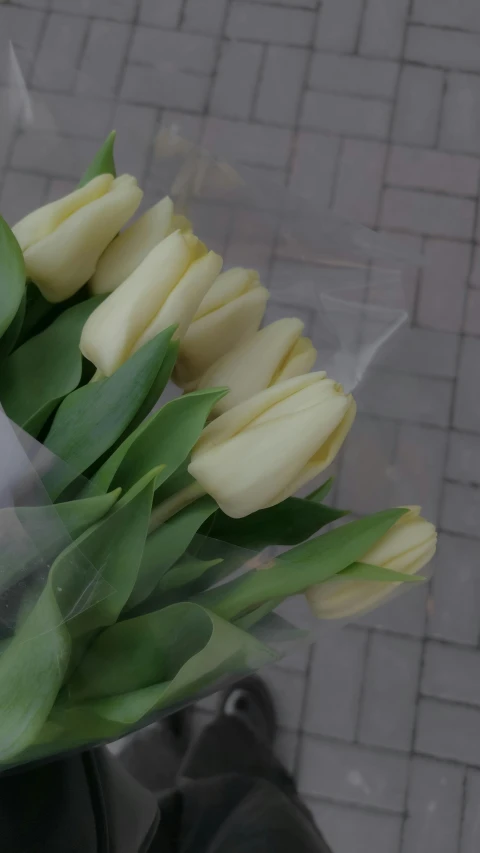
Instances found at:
x=131 y=247
x=230 y=313
x=263 y=450
x=62 y=241
x=407 y=547
x=276 y=353
x=165 y=290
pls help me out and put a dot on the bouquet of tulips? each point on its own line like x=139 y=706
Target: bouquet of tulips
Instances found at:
x=136 y=569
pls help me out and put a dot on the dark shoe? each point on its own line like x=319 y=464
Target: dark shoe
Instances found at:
x=251 y=703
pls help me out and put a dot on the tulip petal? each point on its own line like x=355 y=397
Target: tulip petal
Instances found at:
x=114 y=328
x=65 y=260
x=42 y=222
x=300 y=360
x=229 y=285
x=180 y=306
x=132 y=246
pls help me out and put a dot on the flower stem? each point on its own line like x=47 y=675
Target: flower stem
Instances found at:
x=172 y=505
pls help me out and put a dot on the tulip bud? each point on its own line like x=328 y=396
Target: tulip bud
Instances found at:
x=62 y=241
x=132 y=246
x=407 y=547
x=230 y=313
x=165 y=290
x=274 y=354
x=263 y=450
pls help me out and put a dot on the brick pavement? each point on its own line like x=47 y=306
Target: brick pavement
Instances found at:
x=370 y=108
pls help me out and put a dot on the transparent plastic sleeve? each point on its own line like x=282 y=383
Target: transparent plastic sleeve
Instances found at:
x=79 y=663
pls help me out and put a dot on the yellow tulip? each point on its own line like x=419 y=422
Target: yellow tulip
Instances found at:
x=407 y=547
x=131 y=247
x=263 y=450
x=62 y=241
x=274 y=354
x=230 y=313
x=166 y=289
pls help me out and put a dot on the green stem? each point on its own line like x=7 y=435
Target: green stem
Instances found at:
x=171 y=506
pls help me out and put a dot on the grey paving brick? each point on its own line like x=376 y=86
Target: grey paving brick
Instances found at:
x=287 y=689
x=347 y=830
x=22 y=27
x=313 y=170
x=60 y=187
x=355 y=75
x=434 y=807
x=162 y=88
x=21 y=194
x=403 y=614
x=236 y=80
x=419 y=464
x=160 y=14
x=352 y=774
x=338 y=25
x=368 y=455
x=472 y=313
x=62 y=43
x=204 y=16
x=359 y=181
x=463 y=461
x=71 y=115
x=248 y=143
x=302 y=4
x=116 y=10
x=383 y=27
x=460 y=14
x=461 y=509
x=428 y=213
x=335 y=680
x=392 y=394
x=450 y=672
x=251 y=236
x=433 y=170
x=53 y=155
x=31 y=4
x=418 y=105
x=447 y=730
x=346 y=115
x=103 y=58
x=445 y=48
x=454 y=613
x=470 y=839
x=191 y=52
x=286 y=745
x=281 y=84
x=467 y=402
x=387 y=711
x=407 y=247
x=443 y=285
x=418 y=351
x=135 y=128
x=460 y=126
x=272 y=24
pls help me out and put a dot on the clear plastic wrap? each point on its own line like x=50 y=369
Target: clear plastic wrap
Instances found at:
x=346 y=284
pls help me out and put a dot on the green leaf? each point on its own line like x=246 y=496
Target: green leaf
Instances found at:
x=185 y=572
x=288 y=523
x=322 y=492
x=11 y=336
x=103 y=163
x=46 y=530
x=366 y=572
x=92 y=418
x=171 y=654
x=12 y=276
x=164 y=439
x=305 y=565
x=38 y=375
x=156 y=391
x=167 y=544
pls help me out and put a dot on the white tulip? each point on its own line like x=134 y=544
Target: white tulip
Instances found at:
x=265 y=449
x=166 y=289
x=230 y=313
x=62 y=241
x=131 y=247
x=276 y=353
x=407 y=547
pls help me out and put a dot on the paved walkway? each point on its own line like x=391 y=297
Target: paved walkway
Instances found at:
x=370 y=108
